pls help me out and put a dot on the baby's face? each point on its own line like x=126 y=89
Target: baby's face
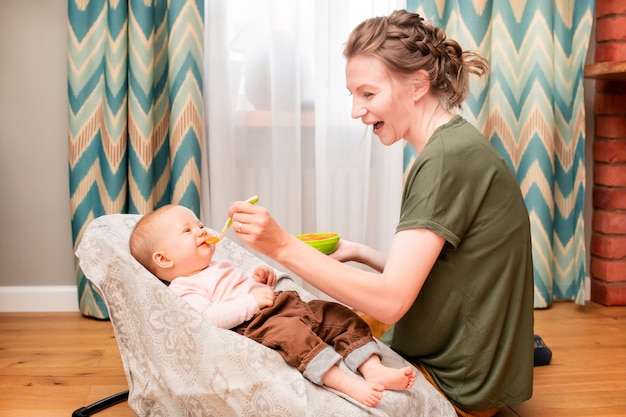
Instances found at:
x=183 y=239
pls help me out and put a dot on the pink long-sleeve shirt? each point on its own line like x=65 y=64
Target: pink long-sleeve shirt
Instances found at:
x=221 y=293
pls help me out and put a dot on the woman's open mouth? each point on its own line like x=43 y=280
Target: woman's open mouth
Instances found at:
x=377 y=126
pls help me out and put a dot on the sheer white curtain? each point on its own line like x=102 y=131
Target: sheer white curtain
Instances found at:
x=279 y=125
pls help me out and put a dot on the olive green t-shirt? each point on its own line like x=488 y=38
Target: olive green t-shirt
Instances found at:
x=472 y=324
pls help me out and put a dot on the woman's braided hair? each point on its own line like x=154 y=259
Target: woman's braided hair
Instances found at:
x=405 y=43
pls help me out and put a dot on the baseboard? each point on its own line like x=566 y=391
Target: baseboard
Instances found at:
x=53 y=298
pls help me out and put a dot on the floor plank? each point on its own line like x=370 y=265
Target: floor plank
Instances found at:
x=53 y=363
x=587 y=374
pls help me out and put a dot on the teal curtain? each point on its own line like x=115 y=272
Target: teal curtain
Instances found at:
x=135 y=112
x=532 y=110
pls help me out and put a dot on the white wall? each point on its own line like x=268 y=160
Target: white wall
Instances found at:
x=35 y=235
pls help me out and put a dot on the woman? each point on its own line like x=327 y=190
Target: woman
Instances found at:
x=458 y=279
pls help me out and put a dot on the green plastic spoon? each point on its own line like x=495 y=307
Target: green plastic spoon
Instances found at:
x=214 y=239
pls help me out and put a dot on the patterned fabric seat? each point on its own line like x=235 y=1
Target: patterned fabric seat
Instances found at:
x=178 y=364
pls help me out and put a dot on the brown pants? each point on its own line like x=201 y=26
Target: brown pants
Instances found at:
x=300 y=330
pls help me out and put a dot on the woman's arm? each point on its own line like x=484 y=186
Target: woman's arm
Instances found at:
x=385 y=296
x=357 y=252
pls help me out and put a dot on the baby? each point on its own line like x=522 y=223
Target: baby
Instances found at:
x=171 y=243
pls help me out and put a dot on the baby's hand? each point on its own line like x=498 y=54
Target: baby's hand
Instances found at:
x=264 y=297
x=265 y=275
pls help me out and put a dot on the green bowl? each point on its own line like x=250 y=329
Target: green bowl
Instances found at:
x=323 y=242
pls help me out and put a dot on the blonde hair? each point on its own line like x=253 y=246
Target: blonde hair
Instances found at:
x=144 y=238
x=405 y=43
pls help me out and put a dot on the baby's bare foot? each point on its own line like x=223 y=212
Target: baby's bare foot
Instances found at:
x=391 y=378
x=365 y=392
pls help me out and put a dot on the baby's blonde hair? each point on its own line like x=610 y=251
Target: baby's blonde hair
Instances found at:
x=144 y=238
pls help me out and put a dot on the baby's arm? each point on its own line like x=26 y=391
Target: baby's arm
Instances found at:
x=237 y=301
x=225 y=314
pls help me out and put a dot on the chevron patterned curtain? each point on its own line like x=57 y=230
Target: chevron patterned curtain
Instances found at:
x=135 y=111
x=532 y=110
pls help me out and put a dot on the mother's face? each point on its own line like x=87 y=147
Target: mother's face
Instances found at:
x=379 y=99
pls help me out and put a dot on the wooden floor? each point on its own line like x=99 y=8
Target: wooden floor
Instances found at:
x=51 y=364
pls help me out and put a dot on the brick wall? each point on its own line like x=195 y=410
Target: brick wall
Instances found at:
x=608 y=240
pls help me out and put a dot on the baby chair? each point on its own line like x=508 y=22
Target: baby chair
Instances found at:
x=178 y=364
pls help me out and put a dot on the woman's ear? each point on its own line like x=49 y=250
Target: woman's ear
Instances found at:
x=421 y=84
x=162 y=260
